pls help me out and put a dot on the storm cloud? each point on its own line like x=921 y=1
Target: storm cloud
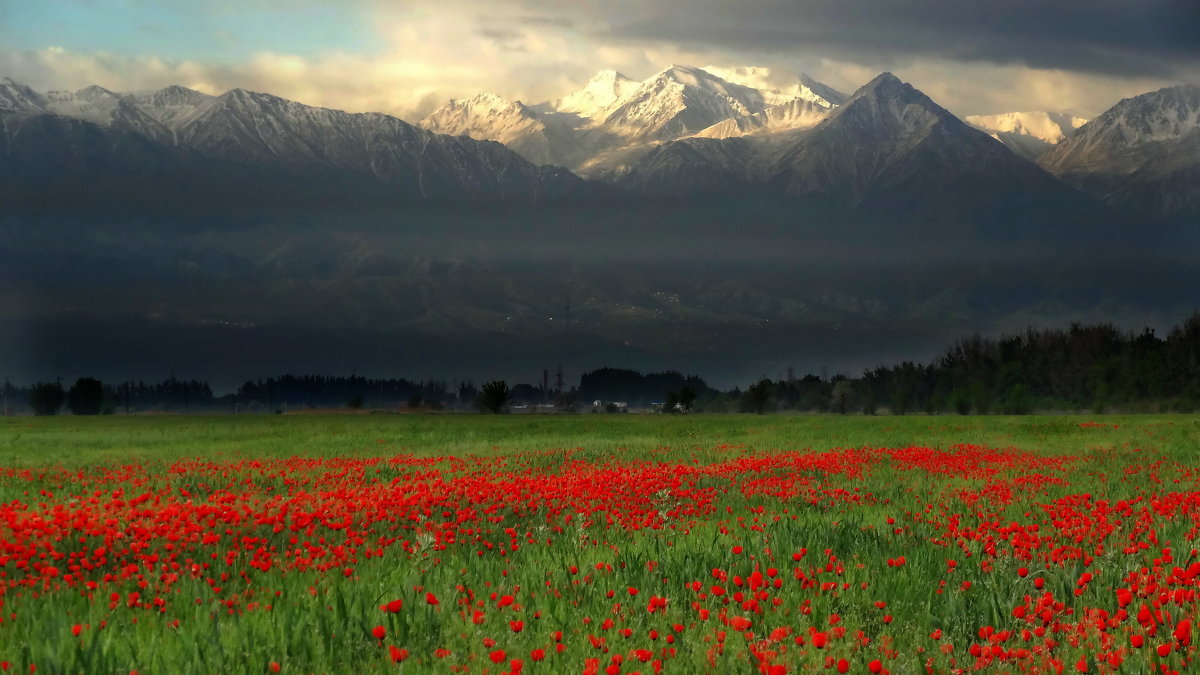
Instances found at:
x=1118 y=37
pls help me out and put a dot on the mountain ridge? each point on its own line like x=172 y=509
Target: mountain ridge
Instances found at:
x=1141 y=155
x=242 y=130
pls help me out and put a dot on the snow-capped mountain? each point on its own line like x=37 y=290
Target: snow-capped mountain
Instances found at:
x=1143 y=153
x=779 y=88
x=17 y=97
x=891 y=138
x=793 y=115
x=486 y=117
x=108 y=109
x=682 y=130
x=262 y=129
x=168 y=105
x=177 y=131
x=150 y=113
x=598 y=95
x=817 y=92
x=680 y=101
x=94 y=104
x=612 y=119
x=545 y=139
x=1029 y=134
x=89 y=131
x=888 y=148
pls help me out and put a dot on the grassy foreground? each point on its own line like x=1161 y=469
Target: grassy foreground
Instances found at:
x=614 y=543
x=84 y=441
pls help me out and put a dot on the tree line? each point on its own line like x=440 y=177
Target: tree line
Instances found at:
x=1096 y=368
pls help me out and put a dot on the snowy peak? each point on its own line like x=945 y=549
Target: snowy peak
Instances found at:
x=793 y=115
x=285 y=143
x=96 y=93
x=780 y=87
x=885 y=84
x=890 y=144
x=680 y=101
x=1142 y=154
x=245 y=97
x=887 y=108
x=167 y=97
x=94 y=104
x=20 y=98
x=169 y=105
x=889 y=150
x=817 y=92
x=1166 y=114
x=145 y=113
x=483 y=117
x=1109 y=142
x=613 y=114
x=252 y=107
x=488 y=117
x=697 y=78
x=602 y=91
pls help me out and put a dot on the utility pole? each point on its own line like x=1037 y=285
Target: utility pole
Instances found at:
x=558 y=377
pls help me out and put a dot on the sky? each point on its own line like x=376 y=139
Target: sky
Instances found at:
x=406 y=57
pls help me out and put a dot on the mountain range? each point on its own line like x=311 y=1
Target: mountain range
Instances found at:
x=682 y=129
x=188 y=138
x=706 y=219
x=882 y=150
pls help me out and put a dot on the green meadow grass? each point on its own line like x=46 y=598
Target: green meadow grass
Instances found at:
x=80 y=441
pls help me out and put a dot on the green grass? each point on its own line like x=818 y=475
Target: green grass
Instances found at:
x=320 y=621
x=82 y=441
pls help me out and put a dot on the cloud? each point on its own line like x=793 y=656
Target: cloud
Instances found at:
x=1115 y=37
x=972 y=57
x=336 y=80
x=978 y=89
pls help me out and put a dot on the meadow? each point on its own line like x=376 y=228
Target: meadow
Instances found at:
x=598 y=543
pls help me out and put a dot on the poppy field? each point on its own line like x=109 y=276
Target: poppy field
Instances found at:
x=614 y=544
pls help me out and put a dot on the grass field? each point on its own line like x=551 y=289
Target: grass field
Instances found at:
x=589 y=543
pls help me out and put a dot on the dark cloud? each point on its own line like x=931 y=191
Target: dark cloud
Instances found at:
x=1120 y=37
